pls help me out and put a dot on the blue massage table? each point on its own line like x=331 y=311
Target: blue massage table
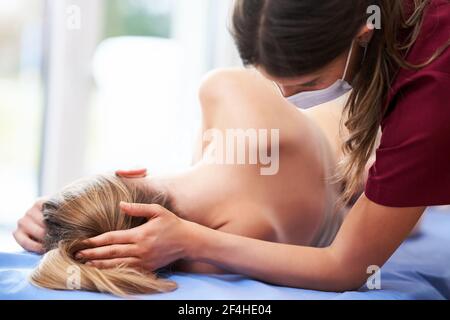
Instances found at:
x=420 y=269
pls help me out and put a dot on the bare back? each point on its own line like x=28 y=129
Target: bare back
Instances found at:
x=289 y=206
x=292 y=206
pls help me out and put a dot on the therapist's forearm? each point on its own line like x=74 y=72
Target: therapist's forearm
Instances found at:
x=281 y=264
x=368 y=237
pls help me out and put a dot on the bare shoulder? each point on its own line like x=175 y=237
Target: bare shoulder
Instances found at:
x=245 y=99
x=234 y=84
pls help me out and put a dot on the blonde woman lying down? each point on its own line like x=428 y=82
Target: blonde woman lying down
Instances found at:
x=294 y=206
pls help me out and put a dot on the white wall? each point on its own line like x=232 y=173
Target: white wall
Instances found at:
x=68 y=88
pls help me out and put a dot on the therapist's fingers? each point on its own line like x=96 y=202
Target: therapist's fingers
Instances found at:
x=37 y=218
x=27 y=243
x=35 y=212
x=108 y=252
x=113 y=263
x=132 y=173
x=34 y=230
x=113 y=237
x=143 y=210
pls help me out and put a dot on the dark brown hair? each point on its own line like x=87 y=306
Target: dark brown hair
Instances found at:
x=289 y=38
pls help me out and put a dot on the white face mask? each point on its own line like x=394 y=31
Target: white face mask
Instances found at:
x=309 y=99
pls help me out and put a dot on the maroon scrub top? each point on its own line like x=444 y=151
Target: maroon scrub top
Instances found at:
x=412 y=167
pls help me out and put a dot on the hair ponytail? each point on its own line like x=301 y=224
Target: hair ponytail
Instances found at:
x=85 y=209
x=59 y=271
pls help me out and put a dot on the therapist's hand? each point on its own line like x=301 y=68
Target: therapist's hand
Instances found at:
x=31 y=229
x=153 y=245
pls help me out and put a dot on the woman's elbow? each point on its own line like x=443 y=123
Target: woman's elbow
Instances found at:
x=349 y=279
x=344 y=275
x=347 y=283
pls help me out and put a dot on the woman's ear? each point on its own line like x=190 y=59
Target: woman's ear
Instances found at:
x=365 y=35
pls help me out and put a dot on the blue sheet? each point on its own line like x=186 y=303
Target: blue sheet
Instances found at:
x=420 y=269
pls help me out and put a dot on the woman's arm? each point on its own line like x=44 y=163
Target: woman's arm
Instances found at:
x=369 y=236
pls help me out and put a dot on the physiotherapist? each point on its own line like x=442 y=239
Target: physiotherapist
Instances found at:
x=398 y=71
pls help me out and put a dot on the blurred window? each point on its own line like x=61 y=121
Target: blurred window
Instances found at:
x=138 y=18
x=21 y=105
x=139 y=114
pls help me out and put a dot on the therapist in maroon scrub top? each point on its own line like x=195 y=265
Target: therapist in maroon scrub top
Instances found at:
x=400 y=75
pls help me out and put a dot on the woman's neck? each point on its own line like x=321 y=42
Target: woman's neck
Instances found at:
x=183 y=197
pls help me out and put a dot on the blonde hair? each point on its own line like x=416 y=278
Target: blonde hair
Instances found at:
x=85 y=209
